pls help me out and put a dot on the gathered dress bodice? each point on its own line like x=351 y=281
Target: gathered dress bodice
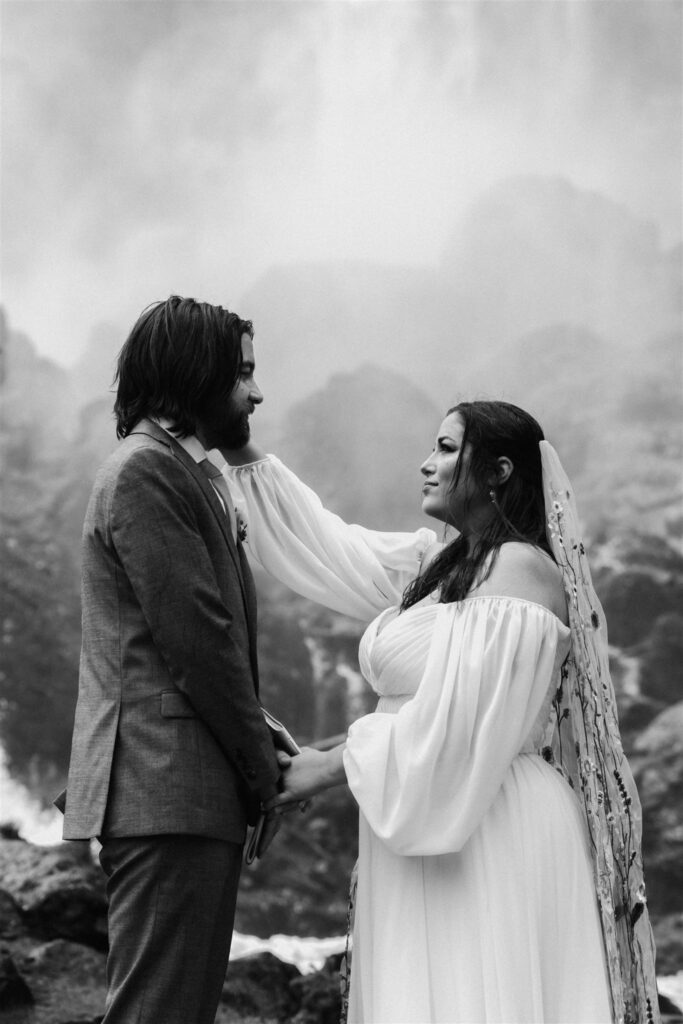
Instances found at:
x=393 y=652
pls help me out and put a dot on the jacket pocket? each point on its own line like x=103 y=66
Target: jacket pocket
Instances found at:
x=175 y=704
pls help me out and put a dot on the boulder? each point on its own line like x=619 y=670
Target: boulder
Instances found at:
x=260 y=986
x=12 y=925
x=14 y=992
x=670 y=1011
x=67 y=982
x=59 y=890
x=319 y=995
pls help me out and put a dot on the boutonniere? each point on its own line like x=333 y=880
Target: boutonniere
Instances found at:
x=241 y=526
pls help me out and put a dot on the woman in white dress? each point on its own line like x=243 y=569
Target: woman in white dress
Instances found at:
x=477 y=898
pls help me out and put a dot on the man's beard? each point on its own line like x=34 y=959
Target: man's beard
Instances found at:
x=240 y=432
x=227 y=429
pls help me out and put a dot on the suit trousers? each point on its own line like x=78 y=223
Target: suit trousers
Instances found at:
x=171 y=913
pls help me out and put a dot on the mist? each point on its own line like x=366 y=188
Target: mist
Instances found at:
x=416 y=203
x=214 y=148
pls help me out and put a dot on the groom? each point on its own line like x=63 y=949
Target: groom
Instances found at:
x=171 y=758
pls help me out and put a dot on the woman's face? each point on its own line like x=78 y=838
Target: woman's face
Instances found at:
x=439 y=499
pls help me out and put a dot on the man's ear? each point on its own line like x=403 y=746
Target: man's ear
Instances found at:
x=504 y=468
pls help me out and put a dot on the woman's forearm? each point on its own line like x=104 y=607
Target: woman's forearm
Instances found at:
x=334 y=766
x=311 y=772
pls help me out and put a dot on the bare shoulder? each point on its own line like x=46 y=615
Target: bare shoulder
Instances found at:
x=526 y=572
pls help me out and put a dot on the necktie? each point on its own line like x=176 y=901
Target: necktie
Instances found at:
x=220 y=486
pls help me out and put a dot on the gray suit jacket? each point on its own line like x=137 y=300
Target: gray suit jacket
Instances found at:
x=168 y=735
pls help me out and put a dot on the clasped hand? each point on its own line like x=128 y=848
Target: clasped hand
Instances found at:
x=304 y=776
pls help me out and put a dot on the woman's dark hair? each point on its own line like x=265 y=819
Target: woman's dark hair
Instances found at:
x=492 y=430
x=179 y=357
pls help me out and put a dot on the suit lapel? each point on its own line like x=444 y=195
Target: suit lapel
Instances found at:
x=250 y=592
x=154 y=430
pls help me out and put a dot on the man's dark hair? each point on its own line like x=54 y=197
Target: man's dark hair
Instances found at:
x=492 y=430
x=180 y=356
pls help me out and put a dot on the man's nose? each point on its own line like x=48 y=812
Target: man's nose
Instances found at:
x=255 y=393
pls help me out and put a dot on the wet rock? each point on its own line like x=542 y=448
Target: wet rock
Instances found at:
x=14 y=991
x=67 y=981
x=58 y=889
x=259 y=986
x=11 y=922
x=670 y=1011
x=319 y=995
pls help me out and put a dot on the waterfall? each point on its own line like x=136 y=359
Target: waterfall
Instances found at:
x=20 y=808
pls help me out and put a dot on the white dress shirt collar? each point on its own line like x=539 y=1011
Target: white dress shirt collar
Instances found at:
x=196 y=451
x=191 y=443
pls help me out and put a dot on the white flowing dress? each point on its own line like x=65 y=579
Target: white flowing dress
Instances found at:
x=475 y=898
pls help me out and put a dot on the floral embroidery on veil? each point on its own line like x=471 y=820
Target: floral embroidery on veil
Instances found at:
x=345 y=967
x=587 y=747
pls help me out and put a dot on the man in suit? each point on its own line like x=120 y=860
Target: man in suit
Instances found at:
x=171 y=758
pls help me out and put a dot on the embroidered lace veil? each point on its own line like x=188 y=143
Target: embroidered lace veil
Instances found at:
x=587 y=745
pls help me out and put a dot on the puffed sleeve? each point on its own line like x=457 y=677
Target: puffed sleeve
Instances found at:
x=425 y=776
x=350 y=569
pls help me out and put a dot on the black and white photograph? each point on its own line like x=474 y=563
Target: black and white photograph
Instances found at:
x=341 y=511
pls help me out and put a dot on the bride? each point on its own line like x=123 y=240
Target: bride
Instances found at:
x=499 y=872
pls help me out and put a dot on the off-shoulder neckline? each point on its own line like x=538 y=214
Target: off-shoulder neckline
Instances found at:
x=492 y=597
x=520 y=600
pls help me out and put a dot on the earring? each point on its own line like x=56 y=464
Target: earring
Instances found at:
x=492 y=496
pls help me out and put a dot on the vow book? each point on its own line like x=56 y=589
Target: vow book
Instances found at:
x=282 y=740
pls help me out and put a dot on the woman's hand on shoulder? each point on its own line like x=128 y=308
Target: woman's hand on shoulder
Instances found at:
x=526 y=572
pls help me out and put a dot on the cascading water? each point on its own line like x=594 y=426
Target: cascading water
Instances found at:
x=18 y=807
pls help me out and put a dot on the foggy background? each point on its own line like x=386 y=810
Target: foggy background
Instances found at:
x=406 y=183
x=416 y=203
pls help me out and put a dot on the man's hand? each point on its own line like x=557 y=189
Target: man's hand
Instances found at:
x=309 y=773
